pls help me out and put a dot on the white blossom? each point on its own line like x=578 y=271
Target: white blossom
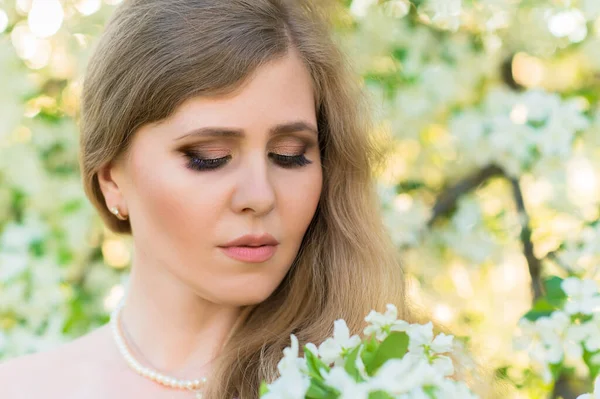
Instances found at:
x=291 y=385
x=339 y=379
x=332 y=349
x=446 y=12
x=583 y=296
x=290 y=360
x=293 y=382
x=399 y=376
x=381 y=324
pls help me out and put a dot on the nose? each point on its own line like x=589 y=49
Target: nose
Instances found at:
x=254 y=192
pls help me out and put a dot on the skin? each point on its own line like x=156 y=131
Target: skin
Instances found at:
x=185 y=294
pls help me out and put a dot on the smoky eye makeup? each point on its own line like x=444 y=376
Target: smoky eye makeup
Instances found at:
x=204 y=158
x=288 y=157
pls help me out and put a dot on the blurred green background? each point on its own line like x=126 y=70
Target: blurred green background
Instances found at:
x=491 y=188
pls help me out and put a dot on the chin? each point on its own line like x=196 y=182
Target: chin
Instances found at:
x=247 y=297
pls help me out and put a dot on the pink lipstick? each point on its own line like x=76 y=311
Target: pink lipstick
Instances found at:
x=250 y=254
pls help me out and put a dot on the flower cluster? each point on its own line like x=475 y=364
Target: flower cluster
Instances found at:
x=563 y=328
x=395 y=360
x=514 y=130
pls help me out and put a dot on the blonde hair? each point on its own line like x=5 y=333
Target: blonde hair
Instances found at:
x=153 y=55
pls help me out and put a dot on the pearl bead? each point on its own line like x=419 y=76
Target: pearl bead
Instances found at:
x=144 y=371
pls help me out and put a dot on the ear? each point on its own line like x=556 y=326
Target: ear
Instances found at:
x=111 y=181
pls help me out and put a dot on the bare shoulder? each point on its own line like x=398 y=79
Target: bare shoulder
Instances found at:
x=57 y=372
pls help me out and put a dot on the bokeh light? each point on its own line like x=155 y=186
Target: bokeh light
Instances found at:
x=3 y=20
x=88 y=7
x=45 y=17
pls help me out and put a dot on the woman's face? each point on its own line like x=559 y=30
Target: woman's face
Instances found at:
x=220 y=168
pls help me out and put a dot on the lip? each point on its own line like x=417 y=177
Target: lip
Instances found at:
x=250 y=254
x=252 y=240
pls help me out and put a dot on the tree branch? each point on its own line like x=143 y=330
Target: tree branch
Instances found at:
x=533 y=262
x=447 y=200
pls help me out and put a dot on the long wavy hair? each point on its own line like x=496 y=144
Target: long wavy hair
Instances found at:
x=155 y=54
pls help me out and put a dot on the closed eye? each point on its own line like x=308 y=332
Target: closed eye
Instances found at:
x=206 y=164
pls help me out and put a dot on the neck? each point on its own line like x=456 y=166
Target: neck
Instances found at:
x=170 y=328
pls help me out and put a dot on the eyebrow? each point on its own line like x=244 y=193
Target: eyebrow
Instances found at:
x=283 y=128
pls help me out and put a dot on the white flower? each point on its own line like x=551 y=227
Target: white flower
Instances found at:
x=382 y=324
x=398 y=376
x=592 y=338
x=423 y=370
x=443 y=365
x=572 y=341
x=291 y=385
x=346 y=385
x=442 y=343
x=293 y=382
x=312 y=348
x=13 y=264
x=290 y=360
x=360 y=365
x=406 y=220
x=449 y=389
x=582 y=295
x=438 y=81
x=552 y=331
x=421 y=338
x=18 y=237
x=543 y=343
x=420 y=335
x=359 y=8
x=423 y=344
x=331 y=349
x=446 y=12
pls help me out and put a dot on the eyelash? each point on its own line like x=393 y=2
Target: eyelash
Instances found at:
x=285 y=161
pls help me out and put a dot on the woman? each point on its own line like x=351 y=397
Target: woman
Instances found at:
x=209 y=128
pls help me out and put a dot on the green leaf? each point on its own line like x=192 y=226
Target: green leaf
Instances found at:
x=408 y=186
x=315 y=365
x=554 y=293
x=393 y=347
x=587 y=358
x=430 y=391
x=38 y=248
x=369 y=350
x=541 y=308
x=350 y=364
x=400 y=53
x=380 y=395
x=556 y=369
x=318 y=390
x=264 y=389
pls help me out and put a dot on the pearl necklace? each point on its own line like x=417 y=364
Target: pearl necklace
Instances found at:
x=191 y=385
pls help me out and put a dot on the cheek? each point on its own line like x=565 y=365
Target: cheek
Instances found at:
x=298 y=202
x=172 y=204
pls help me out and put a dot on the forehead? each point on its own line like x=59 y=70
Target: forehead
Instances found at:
x=276 y=92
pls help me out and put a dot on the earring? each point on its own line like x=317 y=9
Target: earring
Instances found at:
x=115 y=211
